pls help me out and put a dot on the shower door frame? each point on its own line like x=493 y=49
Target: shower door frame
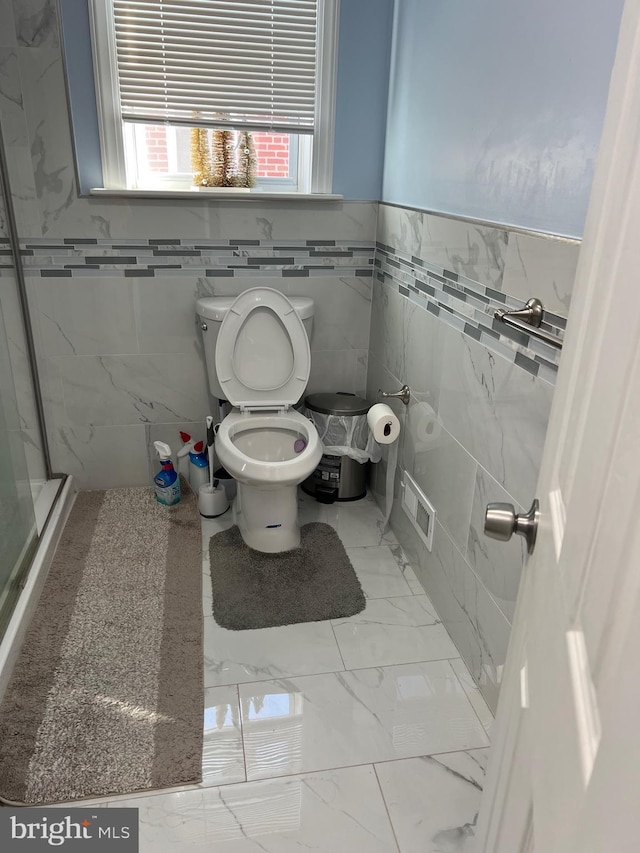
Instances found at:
x=17 y=578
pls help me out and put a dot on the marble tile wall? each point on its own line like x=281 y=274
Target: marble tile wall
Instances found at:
x=475 y=427
x=122 y=361
x=120 y=354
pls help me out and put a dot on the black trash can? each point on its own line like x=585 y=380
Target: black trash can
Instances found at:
x=341 y=419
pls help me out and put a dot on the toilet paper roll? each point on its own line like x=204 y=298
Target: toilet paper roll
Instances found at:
x=384 y=425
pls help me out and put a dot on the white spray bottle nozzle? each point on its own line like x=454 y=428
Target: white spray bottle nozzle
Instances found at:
x=163 y=450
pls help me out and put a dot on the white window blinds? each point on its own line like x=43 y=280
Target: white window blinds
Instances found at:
x=212 y=63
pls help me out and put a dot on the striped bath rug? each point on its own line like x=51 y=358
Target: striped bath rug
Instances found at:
x=107 y=694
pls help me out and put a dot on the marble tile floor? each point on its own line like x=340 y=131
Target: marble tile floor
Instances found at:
x=359 y=733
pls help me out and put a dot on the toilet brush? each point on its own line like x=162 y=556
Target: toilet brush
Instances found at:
x=211 y=437
x=212 y=499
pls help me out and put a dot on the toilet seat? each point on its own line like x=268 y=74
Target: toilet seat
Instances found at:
x=247 y=468
x=262 y=353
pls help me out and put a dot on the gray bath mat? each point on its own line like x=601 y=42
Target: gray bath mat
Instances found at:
x=107 y=695
x=254 y=590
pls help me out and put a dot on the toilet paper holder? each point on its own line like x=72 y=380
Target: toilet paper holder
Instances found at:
x=403 y=394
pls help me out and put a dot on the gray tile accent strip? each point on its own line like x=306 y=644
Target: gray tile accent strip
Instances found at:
x=455 y=293
x=507 y=332
x=527 y=364
x=425 y=288
x=111 y=259
x=496 y=295
x=472 y=331
x=257 y=261
x=554 y=320
x=81 y=267
x=168 y=253
x=465 y=305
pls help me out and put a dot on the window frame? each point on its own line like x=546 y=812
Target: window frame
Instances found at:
x=315 y=153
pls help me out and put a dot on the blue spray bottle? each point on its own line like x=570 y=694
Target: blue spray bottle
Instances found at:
x=198 y=466
x=166 y=482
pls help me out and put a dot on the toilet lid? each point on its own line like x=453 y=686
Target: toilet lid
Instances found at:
x=262 y=352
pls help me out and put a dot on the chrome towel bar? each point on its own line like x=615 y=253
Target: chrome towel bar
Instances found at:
x=528 y=320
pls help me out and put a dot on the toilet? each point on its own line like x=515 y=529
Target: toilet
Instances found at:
x=258 y=359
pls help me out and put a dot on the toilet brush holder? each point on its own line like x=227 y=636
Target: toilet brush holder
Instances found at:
x=212 y=501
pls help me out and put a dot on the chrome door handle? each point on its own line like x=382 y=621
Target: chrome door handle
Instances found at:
x=501 y=522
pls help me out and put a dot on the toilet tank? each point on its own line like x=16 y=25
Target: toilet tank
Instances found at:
x=211 y=311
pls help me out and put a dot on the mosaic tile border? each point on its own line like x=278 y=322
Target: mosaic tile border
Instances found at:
x=73 y=257
x=469 y=307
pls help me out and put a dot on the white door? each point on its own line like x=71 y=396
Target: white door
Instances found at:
x=565 y=771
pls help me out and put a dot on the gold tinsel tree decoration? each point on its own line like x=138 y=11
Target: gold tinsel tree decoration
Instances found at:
x=247 y=161
x=201 y=157
x=224 y=160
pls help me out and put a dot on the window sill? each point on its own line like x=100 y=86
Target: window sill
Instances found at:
x=224 y=195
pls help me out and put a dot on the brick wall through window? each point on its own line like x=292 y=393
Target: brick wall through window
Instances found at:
x=156 y=145
x=272 y=152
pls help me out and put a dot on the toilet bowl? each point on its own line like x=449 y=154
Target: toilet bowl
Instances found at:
x=258 y=347
x=259 y=451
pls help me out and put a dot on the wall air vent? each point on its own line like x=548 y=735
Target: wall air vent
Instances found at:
x=421 y=512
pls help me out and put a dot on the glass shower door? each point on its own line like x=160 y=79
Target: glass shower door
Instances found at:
x=18 y=434
x=18 y=534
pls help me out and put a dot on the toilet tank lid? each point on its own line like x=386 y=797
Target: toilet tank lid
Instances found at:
x=216 y=307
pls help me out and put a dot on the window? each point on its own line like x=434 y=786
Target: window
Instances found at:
x=255 y=77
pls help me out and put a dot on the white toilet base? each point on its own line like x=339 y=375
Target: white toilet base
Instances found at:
x=267 y=517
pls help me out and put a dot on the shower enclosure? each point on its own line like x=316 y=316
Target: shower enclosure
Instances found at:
x=27 y=487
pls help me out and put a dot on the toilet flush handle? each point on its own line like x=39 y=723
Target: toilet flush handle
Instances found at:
x=204 y=326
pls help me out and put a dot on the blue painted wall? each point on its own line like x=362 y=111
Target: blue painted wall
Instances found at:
x=496 y=108
x=364 y=51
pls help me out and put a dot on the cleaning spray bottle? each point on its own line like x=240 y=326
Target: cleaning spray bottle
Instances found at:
x=198 y=466
x=166 y=482
x=183 y=454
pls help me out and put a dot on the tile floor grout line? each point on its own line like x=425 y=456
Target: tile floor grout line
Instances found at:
x=288 y=677
x=464 y=690
x=200 y=787
x=347 y=669
x=386 y=808
x=241 y=720
x=333 y=631
x=348 y=766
